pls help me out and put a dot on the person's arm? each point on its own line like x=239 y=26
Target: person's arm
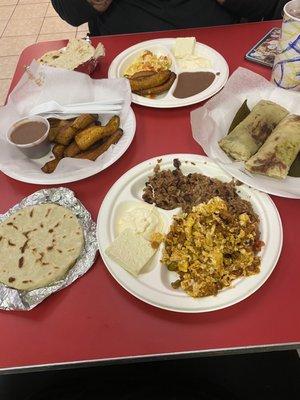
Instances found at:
x=250 y=9
x=75 y=12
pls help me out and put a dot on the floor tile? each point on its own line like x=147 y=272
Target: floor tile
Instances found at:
x=6 y=12
x=56 y=36
x=13 y=46
x=3 y=24
x=24 y=11
x=4 y=86
x=22 y=27
x=50 y=11
x=81 y=34
x=8 y=2
x=33 y=1
x=83 y=27
x=8 y=66
x=55 y=25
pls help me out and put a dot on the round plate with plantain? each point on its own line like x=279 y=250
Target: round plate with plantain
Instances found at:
x=82 y=146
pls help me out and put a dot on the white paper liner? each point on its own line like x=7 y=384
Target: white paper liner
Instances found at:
x=211 y=122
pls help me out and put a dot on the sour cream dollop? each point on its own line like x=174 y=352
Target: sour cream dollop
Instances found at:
x=142 y=219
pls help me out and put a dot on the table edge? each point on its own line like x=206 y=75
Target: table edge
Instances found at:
x=150 y=358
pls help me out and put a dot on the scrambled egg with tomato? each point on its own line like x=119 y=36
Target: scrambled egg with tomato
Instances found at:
x=210 y=247
x=147 y=61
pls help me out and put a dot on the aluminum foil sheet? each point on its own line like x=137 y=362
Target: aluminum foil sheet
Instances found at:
x=12 y=299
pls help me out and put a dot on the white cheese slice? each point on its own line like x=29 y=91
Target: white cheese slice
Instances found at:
x=131 y=251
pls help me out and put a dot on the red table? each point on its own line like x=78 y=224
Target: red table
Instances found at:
x=95 y=319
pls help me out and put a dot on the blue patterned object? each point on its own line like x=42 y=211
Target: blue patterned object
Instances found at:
x=286 y=69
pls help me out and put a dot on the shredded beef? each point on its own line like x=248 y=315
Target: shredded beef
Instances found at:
x=169 y=189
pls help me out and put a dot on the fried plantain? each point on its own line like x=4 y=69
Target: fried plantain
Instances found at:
x=151 y=81
x=65 y=135
x=54 y=122
x=55 y=126
x=159 y=89
x=83 y=121
x=142 y=74
x=93 y=154
x=89 y=136
x=53 y=132
x=72 y=150
x=50 y=166
x=58 y=151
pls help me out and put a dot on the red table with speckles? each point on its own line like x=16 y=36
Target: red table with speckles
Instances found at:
x=95 y=320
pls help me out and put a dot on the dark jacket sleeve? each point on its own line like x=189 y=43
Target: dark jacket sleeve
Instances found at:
x=252 y=9
x=75 y=12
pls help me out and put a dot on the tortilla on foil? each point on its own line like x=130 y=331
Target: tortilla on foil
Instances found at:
x=38 y=246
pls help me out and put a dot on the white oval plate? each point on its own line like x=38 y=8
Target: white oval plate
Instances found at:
x=163 y=46
x=154 y=285
x=36 y=176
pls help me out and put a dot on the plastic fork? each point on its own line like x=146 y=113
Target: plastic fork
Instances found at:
x=107 y=107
